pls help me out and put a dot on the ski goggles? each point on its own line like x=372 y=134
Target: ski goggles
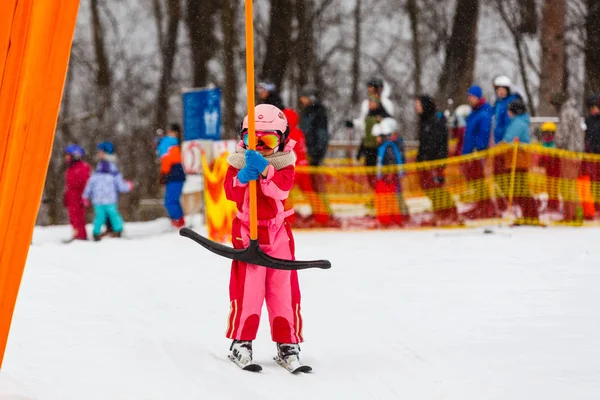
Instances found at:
x=264 y=140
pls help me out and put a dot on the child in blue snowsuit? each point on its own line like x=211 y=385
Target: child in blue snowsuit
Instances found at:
x=103 y=189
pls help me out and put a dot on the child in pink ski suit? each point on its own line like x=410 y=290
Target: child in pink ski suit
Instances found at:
x=272 y=166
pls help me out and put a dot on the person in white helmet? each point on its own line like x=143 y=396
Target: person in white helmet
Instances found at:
x=504 y=97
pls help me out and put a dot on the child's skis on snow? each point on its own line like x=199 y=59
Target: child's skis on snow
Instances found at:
x=272 y=166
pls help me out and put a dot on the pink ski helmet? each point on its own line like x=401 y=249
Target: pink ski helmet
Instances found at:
x=269 y=118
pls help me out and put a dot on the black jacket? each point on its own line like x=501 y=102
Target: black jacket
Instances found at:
x=433 y=133
x=313 y=123
x=274 y=99
x=592 y=134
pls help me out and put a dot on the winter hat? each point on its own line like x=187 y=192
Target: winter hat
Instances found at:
x=75 y=151
x=311 y=92
x=268 y=86
x=548 y=127
x=175 y=127
x=106 y=147
x=475 y=91
x=517 y=107
x=429 y=107
x=375 y=82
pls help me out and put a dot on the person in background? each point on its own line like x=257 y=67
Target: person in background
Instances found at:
x=458 y=126
x=477 y=138
x=570 y=137
x=504 y=97
x=102 y=191
x=314 y=124
x=76 y=177
x=390 y=206
x=551 y=163
x=268 y=94
x=592 y=145
x=373 y=109
x=172 y=174
x=433 y=145
x=518 y=129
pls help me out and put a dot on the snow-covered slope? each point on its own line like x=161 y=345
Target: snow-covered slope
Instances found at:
x=401 y=315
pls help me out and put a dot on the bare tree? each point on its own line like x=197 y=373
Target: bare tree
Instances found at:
x=528 y=17
x=507 y=9
x=356 y=54
x=230 y=45
x=204 y=45
x=278 y=41
x=592 y=47
x=552 y=65
x=103 y=72
x=413 y=12
x=459 y=64
x=168 y=48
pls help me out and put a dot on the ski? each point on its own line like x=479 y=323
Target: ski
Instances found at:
x=250 y=366
x=293 y=366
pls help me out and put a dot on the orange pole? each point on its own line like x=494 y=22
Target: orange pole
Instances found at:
x=251 y=119
x=34 y=69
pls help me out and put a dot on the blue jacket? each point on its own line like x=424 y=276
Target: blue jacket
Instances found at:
x=169 y=152
x=518 y=128
x=501 y=118
x=104 y=185
x=389 y=153
x=479 y=126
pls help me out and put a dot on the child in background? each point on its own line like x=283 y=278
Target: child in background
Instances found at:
x=390 y=206
x=272 y=165
x=172 y=174
x=102 y=191
x=76 y=178
x=552 y=165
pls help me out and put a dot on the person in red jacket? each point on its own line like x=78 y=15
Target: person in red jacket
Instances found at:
x=76 y=177
x=272 y=166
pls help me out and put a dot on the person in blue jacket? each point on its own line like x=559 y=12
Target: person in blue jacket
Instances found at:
x=519 y=129
x=519 y=126
x=502 y=87
x=477 y=138
x=504 y=97
x=172 y=174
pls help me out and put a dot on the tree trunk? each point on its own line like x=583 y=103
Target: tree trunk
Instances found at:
x=200 y=24
x=552 y=42
x=459 y=64
x=168 y=52
x=355 y=97
x=528 y=21
x=230 y=45
x=278 y=43
x=413 y=12
x=592 y=48
x=103 y=74
x=303 y=43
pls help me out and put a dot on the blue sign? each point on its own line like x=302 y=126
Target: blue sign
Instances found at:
x=202 y=114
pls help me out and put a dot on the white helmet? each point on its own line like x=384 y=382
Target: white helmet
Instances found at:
x=502 y=81
x=387 y=126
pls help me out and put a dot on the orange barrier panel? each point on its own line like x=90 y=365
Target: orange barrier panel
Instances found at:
x=33 y=68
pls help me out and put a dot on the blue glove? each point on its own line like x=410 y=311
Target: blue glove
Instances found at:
x=247 y=174
x=255 y=160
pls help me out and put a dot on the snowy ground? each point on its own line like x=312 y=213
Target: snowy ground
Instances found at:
x=401 y=315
